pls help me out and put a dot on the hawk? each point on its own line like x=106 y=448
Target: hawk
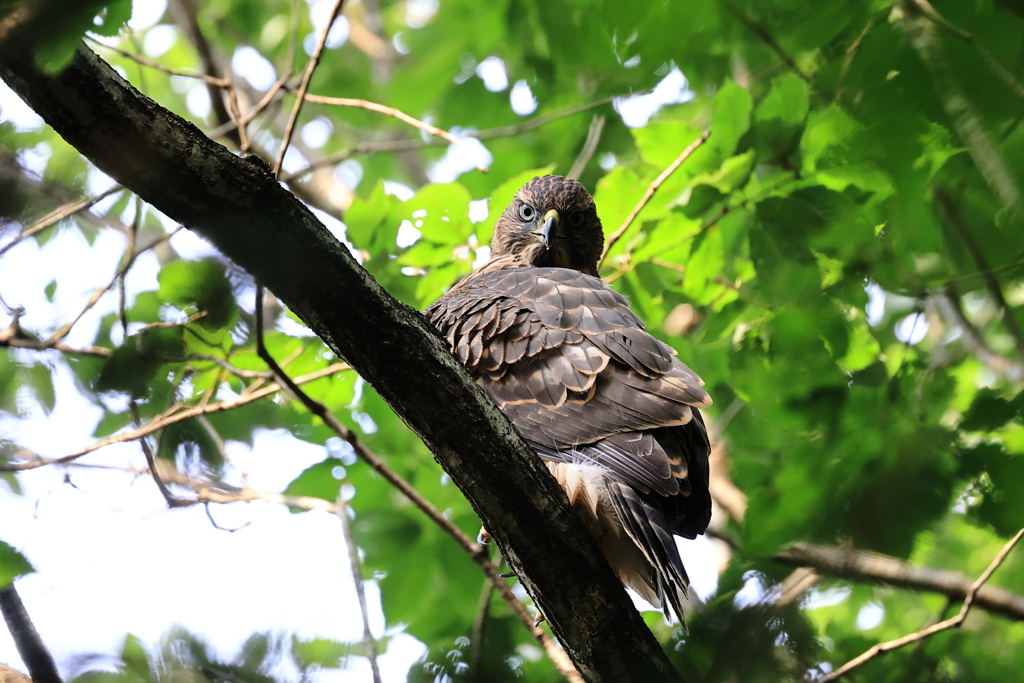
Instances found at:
x=609 y=408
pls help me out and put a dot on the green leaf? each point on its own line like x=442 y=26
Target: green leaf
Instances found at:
x=114 y=16
x=730 y=118
x=200 y=286
x=990 y=411
x=786 y=102
x=827 y=130
x=441 y=213
x=50 y=290
x=12 y=565
x=133 y=366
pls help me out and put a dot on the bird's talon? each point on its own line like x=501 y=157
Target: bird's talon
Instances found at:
x=507 y=575
x=483 y=538
x=539 y=620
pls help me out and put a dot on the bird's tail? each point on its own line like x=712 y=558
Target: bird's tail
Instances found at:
x=645 y=524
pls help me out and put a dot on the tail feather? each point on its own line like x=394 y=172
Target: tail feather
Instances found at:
x=652 y=534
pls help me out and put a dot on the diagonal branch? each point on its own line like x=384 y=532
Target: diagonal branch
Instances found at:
x=58 y=215
x=307 y=76
x=30 y=646
x=369 y=642
x=865 y=566
x=953 y=622
x=651 y=189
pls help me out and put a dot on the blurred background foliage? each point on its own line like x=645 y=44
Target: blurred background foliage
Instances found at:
x=841 y=262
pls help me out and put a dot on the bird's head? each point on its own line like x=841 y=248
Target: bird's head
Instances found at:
x=552 y=221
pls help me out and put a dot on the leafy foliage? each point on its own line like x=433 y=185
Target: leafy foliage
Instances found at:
x=840 y=261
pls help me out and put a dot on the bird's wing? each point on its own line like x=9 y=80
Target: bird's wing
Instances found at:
x=571 y=364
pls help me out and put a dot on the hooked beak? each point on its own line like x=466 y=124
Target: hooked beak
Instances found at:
x=549 y=228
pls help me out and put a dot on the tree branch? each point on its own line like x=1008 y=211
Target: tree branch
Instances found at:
x=30 y=646
x=246 y=214
x=862 y=565
x=954 y=622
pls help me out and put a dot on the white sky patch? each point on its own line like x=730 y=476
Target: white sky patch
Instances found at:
x=317 y=132
x=700 y=557
x=338 y=34
x=875 y=308
x=637 y=110
x=407 y=235
x=146 y=13
x=492 y=72
x=483 y=255
x=293 y=160
x=817 y=599
x=912 y=329
x=191 y=246
x=254 y=67
x=418 y=13
x=397 y=189
x=632 y=62
x=608 y=161
x=478 y=210
x=752 y=592
x=459 y=159
x=349 y=173
x=870 y=616
x=13 y=110
x=398 y=41
x=34 y=159
x=159 y=40
x=198 y=101
x=522 y=99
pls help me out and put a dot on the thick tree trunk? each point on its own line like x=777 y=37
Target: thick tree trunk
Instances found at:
x=246 y=214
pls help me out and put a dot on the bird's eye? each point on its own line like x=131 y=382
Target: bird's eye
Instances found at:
x=527 y=212
x=575 y=220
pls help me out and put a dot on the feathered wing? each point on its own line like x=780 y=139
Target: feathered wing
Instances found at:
x=571 y=365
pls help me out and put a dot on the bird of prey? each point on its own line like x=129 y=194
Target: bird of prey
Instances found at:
x=608 y=407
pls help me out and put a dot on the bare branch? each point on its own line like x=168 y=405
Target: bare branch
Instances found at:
x=170 y=417
x=58 y=215
x=589 y=147
x=1000 y=71
x=30 y=646
x=862 y=565
x=956 y=220
x=651 y=189
x=965 y=117
x=369 y=642
x=768 y=40
x=390 y=111
x=212 y=80
x=949 y=304
x=851 y=52
x=953 y=622
x=314 y=60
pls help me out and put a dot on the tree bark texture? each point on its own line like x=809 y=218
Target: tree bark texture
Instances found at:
x=241 y=209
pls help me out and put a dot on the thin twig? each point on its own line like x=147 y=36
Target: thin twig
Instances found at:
x=953 y=622
x=949 y=304
x=651 y=189
x=476 y=655
x=236 y=114
x=851 y=52
x=212 y=80
x=58 y=215
x=768 y=40
x=314 y=60
x=967 y=120
x=369 y=642
x=476 y=551
x=172 y=500
x=870 y=567
x=955 y=220
x=98 y=293
x=1000 y=71
x=390 y=111
x=589 y=147
x=176 y=414
x=373 y=146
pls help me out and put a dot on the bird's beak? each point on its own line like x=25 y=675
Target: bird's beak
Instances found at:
x=549 y=228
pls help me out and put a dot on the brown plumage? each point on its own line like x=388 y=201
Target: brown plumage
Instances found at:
x=606 y=405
